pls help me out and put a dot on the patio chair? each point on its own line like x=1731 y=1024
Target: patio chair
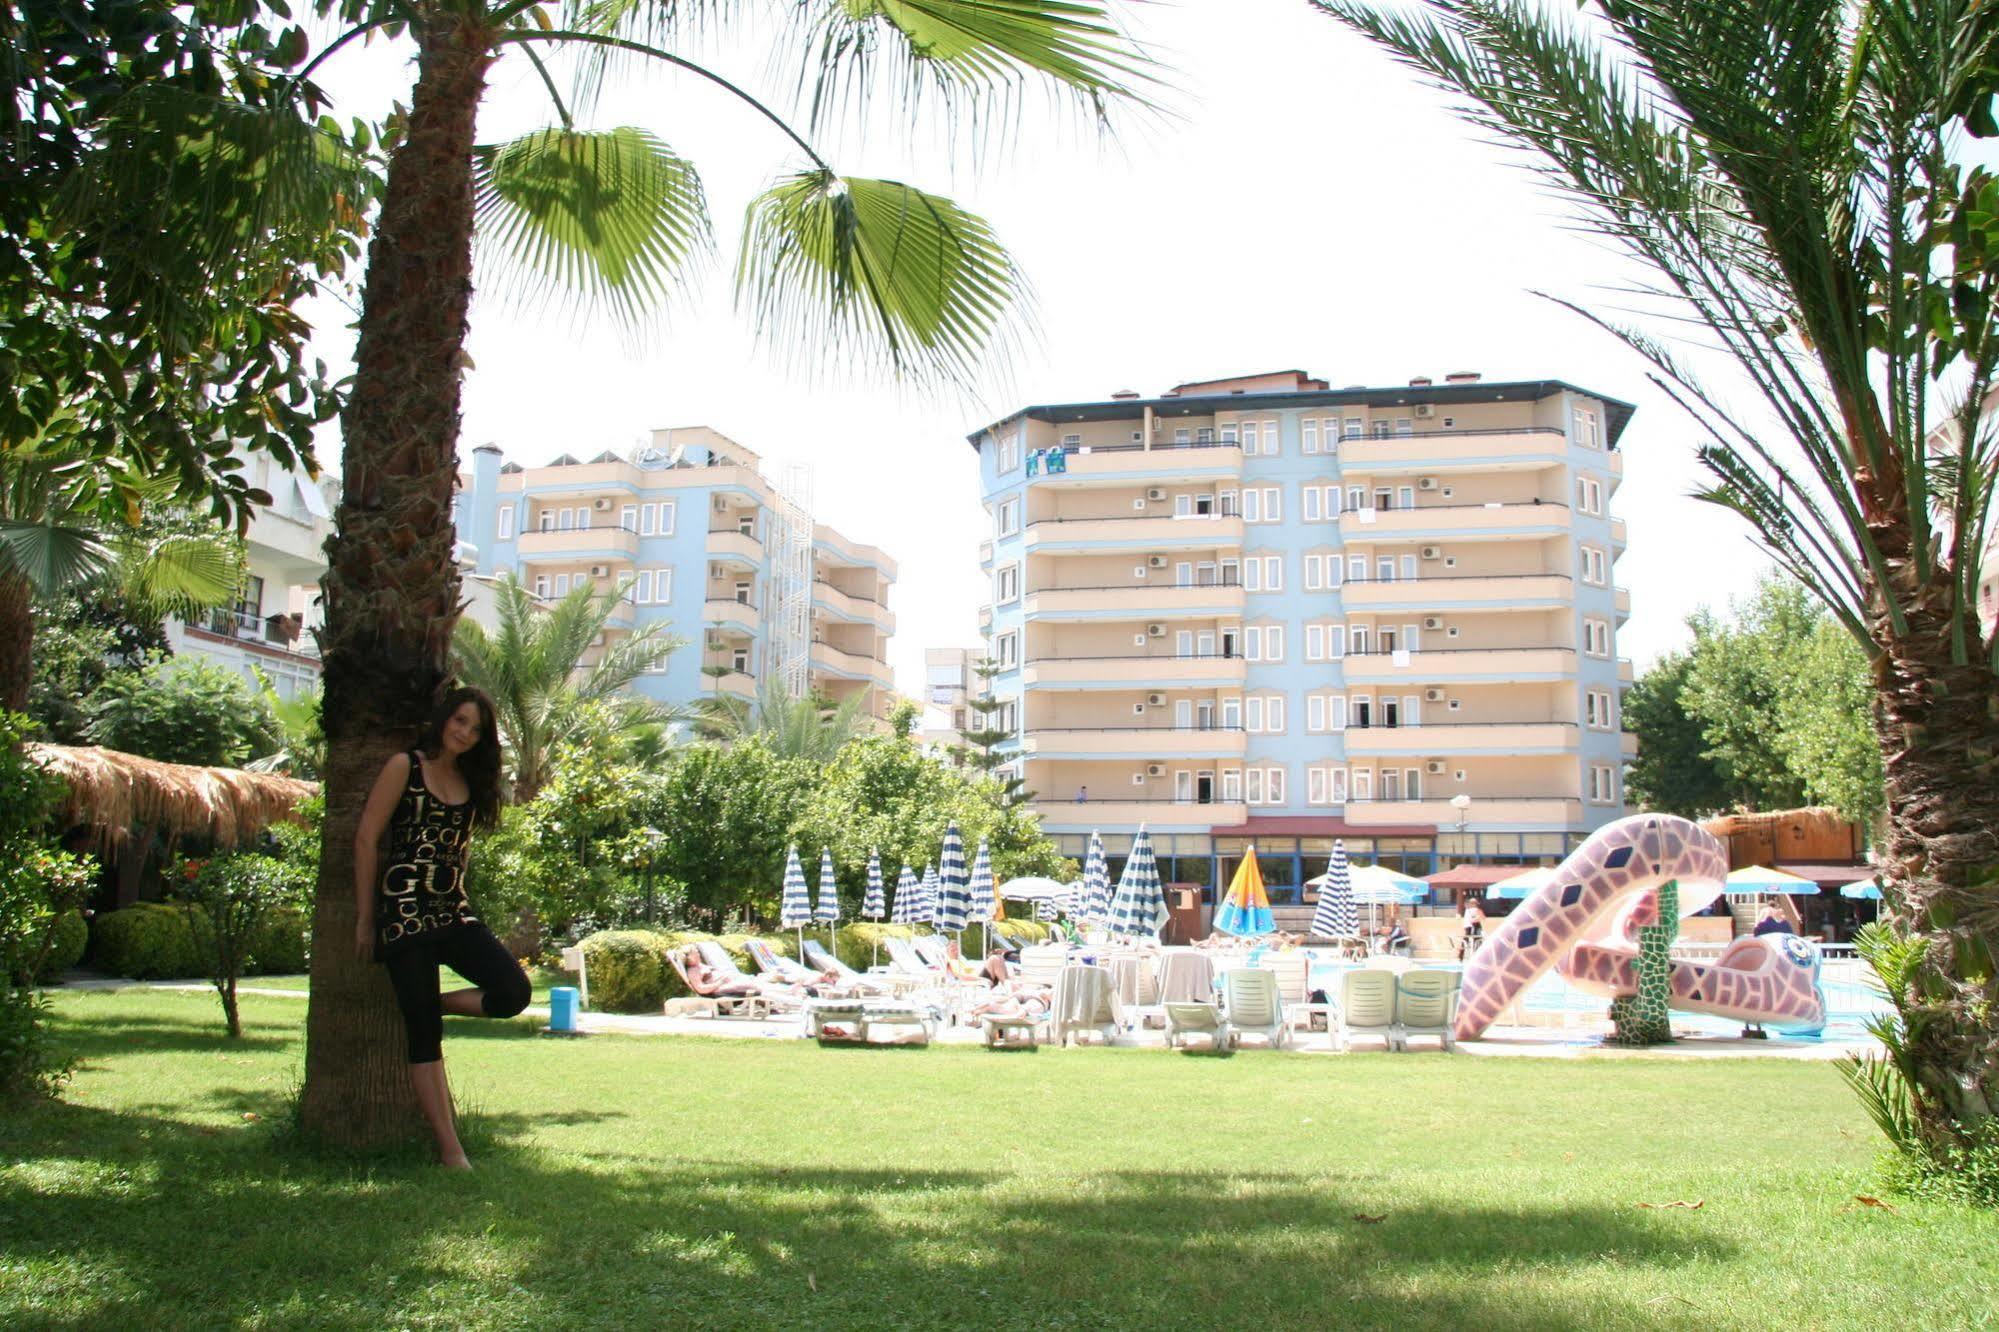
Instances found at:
x=1085 y=1000
x=1366 y=1007
x=773 y=994
x=1186 y=976
x=1043 y=962
x=905 y=961
x=1254 y=1005
x=779 y=968
x=837 y=1021
x=1191 y=1017
x=1293 y=968
x=817 y=957
x=753 y=1006
x=1426 y=1004
x=930 y=947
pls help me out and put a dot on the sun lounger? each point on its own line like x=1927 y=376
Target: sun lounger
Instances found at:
x=1084 y=1001
x=1191 y=1017
x=1011 y=1031
x=755 y=1005
x=1426 y=1004
x=1292 y=968
x=836 y=1022
x=717 y=957
x=779 y=968
x=930 y=948
x=1366 y=1007
x=1043 y=963
x=1254 y=1006
x=817 y=956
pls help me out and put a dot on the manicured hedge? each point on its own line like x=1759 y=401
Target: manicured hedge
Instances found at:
x=72 y=937
x=154 y=941
x=631 y=973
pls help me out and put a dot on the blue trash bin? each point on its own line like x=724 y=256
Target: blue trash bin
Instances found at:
x=562 y=1008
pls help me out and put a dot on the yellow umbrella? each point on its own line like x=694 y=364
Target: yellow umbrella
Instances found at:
x=1246 y=908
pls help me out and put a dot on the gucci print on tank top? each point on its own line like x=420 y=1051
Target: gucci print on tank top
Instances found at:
x=422 y=892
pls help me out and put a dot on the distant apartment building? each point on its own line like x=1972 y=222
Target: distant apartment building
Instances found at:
x=949 y=683
x=701 y=541
x=1261 y=610
x=267 y=631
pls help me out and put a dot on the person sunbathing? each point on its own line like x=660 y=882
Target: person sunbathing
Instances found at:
x=708 y=982
x=1015 y=999
x=955 y=964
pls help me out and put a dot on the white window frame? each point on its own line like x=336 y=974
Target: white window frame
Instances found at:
x=1336 y=642
x=1315 y=785
x=1315 y=642
x=1006 y=649
x=1273 y=715
x=1315 y=713
x=1361 y=780
x=1273 y=504
x=1336 y=786
x=1273 y=573
x=1006 y=584
x=1596 y=638
x=1273 y=642
x=541 y=586
x=1252 y=643
x=1252 y=786
x=1252 y=505
x=668 y=510
x=1308 y=433
x=1252 y=574
x=505 y=530
x=640 y=592
x=1252 y=714
x=1232 y=786
x=1311 y=501
x=1336 y=712
x=1273 y=786
x=1008 y=520
x=1585 y=422
x=1232 y=713
x=628 y=517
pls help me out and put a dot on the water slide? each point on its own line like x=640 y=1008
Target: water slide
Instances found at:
x=1584 y=922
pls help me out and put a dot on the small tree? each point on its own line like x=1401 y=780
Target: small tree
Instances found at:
x=227 y=897
x=181 y=710
x=980 y=751
x=37 y=886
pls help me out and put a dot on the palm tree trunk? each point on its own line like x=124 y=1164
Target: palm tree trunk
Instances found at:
x=1939 y=732
x=392 y=585
x=17 y=641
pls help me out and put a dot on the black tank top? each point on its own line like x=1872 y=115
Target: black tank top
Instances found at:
x=422 y=889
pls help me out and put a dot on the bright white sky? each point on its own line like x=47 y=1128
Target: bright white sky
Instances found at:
x=1311 y=205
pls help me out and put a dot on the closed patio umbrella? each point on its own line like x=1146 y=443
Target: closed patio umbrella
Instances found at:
x=1336 y=917
x=908 y=898
x=1139 y=907
x=984 y=904
x=873 y=907
x=926 y=908
x=828 y=908
x=795 y=910
x=1245 y=910
x=1096 y=904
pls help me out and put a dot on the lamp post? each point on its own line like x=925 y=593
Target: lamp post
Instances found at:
x=653 y=838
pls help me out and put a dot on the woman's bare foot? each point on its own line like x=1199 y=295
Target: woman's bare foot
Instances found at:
x=457 y=1162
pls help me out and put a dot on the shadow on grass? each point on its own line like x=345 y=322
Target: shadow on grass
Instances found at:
x=136 y=1033
x=163 y=1227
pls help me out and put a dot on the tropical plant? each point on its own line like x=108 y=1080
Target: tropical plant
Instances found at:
x=296 y=730
x=532 y=663
x=39 y=886
x=181 y=710
x=981 y=750
x=1795 y=176
x=166 y=200
x=874 y=270
x=226 y=899
x=82 y=636
x=813 y=727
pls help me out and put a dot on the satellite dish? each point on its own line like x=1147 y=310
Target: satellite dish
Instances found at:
x=675 y=454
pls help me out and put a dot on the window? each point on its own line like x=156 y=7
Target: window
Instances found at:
x=1596 y=566
x=1315 y=786
x=1253 y=786
x=565 y=520
x=1312 y=498
x=1315 y=574
x=1336 y=642
x=506 y=529
x=628 y=517
x=1596 y=638
x=1273 y=505
x=1412 y=784
x=666 y=512
x=1403 y=426
x=1232 y=714
x=547 y=523
x=582 y=519
x=640 y=592
x=1330 y=433
x=1353 y=430
x=1009 y=517
x=1252 y=574
x=1586 y=428
x=1408 y=567
x=1596 y=709
x=1273 y=573
x=1273 y=642
x=541 y=585
x=1356 y=498
x=1252 y=713
x=1356 y=568
x=1183 y=435
x=1273 y=715
x=1252 y=643
x=739 y=661
x=1273 y=786
x=1315 y=712
x=1391 y=784
x=1363 y=783
x=1006 y=583
x=1006 y=650
x=648 y=519
x=562 y=585
x=1252 y=507
x=662 y=586
x=1589 y=494
x=1361 y=635
x=1270 y=438
x=1309 y=433
x=1006 y=453
x=1336 y=712
x=1602 y=784
x=743 y=589
x=1336 y=785
x=1231 y=786
x=1315 y=641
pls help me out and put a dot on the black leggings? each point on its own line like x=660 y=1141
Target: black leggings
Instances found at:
x=472 y=952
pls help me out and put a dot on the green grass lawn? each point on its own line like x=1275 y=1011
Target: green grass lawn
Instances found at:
x=541 y=978
x=663 y=1182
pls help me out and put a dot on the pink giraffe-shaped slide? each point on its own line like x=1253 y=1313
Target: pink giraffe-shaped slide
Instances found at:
x=1586 y=918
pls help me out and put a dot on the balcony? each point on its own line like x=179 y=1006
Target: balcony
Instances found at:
x=584 y=543
x=1464 y=738
x=847 y=607
x=985 y=554
x=1454 y=450
x=1511 y=812
x=841 y=550
x=1125 y=464
x=1624 y=673
x=1193 y=532
x=1619 y=535
x=985 y=617
x=1132 y=672
x=1487 y=592
x=1140 y=742
x=734 y=547
x=1165 y=601
x=1623 y=599
x=728 y=613
x=1462 y=666
x=1456 y=522
x=1156 y=815
x=848 y=665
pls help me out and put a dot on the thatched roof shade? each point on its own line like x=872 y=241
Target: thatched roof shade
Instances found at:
x=112 y=793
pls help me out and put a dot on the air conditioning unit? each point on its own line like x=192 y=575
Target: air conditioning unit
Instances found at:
x=1155 y=561
x=1435 y=767
x=1138 y=504
x=1425 y=410
x=1155 y=631
x=1155 y=493
x=603 y=506
x=1155 y=700
x=1433 y=695
x=1426 y=483
x=1155 y=770
x=1138 y=779
x=1433 y=552
x=1433 y=621
x=600 y=571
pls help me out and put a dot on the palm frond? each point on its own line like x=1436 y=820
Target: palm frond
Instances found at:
x=185 y=573
x=52 y=556
x=880 y=270
x=614 y=217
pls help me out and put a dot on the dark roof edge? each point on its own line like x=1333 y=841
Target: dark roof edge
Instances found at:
x=1620 y=412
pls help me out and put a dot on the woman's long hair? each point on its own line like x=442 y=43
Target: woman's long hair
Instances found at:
x=479 y=764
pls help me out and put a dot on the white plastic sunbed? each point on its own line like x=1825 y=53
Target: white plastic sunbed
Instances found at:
x=1366 y=1007
x=1191 y=1017
x=1254 y=1006
x=1426 y=1004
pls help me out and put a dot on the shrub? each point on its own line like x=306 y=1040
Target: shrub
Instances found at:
x=281 y=943
x=72 y=936
x=38 y=888
x=856 y=944
x=181 y=710
x=150 y=941
x=628 y=970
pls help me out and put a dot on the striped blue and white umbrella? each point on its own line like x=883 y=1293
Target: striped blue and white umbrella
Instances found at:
x=874 y=906
x=1139 y=908
x=908 y=898
x=1337 y=917
x=954 y=895
x=795 y=912
x=828 y=908
x=985 y=905
x=926 y=897
x=1044 y=908
x=1095 y=907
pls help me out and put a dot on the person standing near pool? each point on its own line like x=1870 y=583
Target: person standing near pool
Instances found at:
x=412 y=917
x=1474 y=928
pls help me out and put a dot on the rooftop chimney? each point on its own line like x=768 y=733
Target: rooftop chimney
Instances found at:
x=1125 y=395
x=1462 y=377
x=1420 y=381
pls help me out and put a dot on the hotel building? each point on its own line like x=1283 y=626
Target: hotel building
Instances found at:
x=704 y=543
x=1262 y=610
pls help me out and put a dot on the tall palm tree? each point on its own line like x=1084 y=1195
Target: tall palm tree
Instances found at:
x=532 y=664
x=872 y=269
x=810 y=728
x=1793 y=173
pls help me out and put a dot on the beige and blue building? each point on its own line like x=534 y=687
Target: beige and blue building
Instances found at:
x=702 y=541
x=1266 y=610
